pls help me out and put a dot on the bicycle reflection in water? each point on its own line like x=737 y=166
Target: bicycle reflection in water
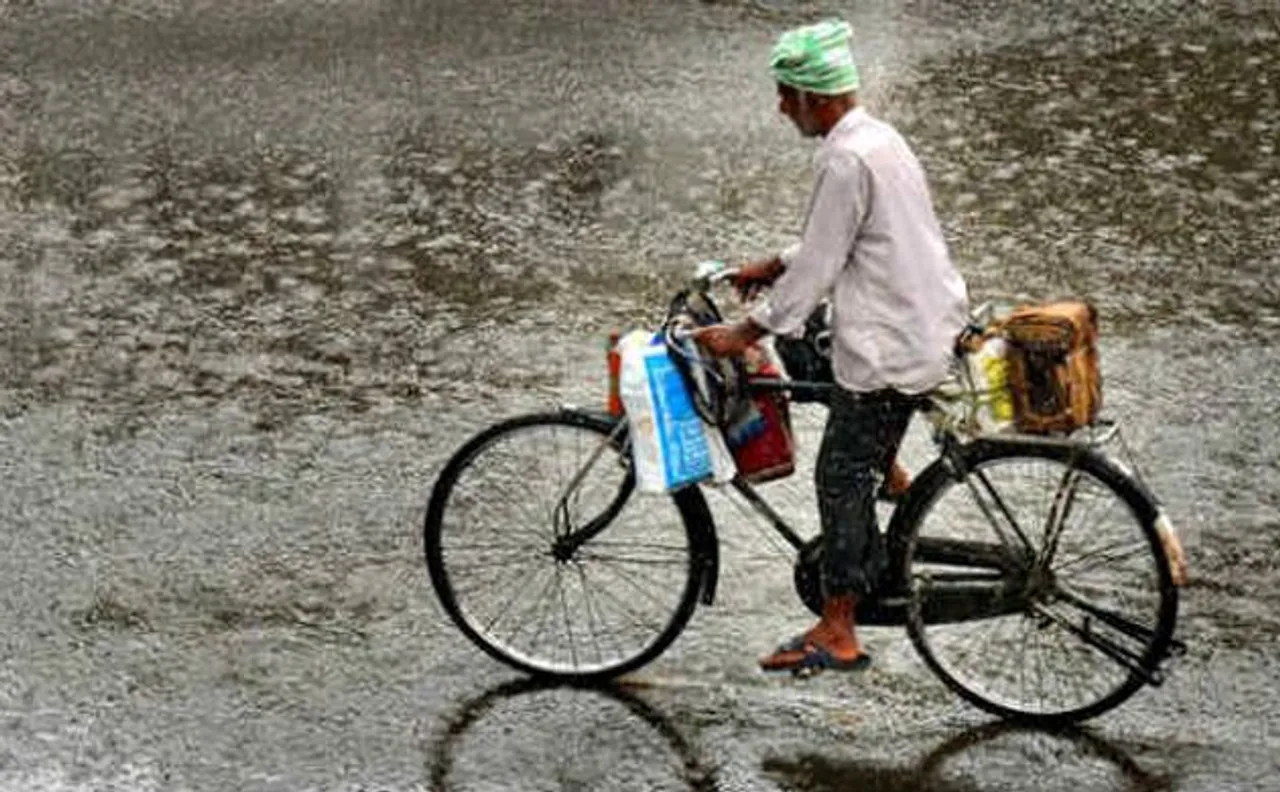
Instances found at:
x=539 y=735
x=985 y=758
x=534 y=734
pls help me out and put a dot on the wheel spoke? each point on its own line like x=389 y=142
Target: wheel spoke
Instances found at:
x=506 y=610
x=616 y=559
x=564 y=609
x=1103 y=644
x=1107 y=505
x=489 y=547
x=484 y=500
x=491 y=514
x=1003 y=508
x=542 y=620
x=1059 y=513
x=976 y=576
x=1022 y=666
x=499 y=577
x=630 y=577
x=589 y=605
x=1106 y=555
x=625 y=608
x=1115 y=620
x=497 y=563
x=638 y=545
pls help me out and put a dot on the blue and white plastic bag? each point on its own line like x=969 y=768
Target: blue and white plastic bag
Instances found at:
x=671 y=445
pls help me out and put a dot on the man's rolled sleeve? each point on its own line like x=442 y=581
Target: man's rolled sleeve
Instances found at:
x=836 y=212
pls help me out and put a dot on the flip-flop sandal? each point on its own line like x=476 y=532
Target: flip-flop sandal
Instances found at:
x=795 y=643
x=818 y=659
x=808 y=657
x=792 y=646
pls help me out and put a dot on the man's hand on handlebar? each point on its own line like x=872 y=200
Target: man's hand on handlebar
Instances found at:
x=757 y=275
x=728 y=340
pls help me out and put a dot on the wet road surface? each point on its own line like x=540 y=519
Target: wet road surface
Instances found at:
x=265 y=265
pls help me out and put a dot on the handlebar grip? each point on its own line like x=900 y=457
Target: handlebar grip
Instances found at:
x=714 y=272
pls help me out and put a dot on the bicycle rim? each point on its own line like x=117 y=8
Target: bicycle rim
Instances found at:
x=491 y=544
x=1089 y=633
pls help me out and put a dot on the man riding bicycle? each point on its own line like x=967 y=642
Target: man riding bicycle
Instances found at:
x=872 y=245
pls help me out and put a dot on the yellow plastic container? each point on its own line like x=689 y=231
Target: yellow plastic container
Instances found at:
x=989 y=369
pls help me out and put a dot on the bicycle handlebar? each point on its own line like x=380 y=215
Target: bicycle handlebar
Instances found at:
x=679 y=333
x=712 y=273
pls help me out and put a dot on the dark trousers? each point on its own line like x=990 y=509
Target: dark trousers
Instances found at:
x=860 y=442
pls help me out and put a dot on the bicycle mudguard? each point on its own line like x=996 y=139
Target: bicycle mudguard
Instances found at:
x=919 y=494
x=706 y=543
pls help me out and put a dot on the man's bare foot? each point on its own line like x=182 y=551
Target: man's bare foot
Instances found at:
x=897 y=480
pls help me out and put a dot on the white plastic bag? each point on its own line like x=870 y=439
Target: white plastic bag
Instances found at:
x=671 y=445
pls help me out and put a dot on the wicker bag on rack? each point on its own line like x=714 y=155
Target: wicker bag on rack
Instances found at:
x=1053 y=370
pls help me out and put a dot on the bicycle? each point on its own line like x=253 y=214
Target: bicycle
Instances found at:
x=978 y=560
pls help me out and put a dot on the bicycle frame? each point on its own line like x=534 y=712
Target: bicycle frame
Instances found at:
x=997 y=593
x=995 y=590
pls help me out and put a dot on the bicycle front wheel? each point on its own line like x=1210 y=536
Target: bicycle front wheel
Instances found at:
x=543 y=556
x=1054 y=551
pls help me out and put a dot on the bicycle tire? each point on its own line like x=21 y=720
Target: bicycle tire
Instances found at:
x=688 y=503
x=925 y=497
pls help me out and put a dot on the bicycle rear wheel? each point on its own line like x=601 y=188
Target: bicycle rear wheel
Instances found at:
x=1084 y=605
x=500 y=551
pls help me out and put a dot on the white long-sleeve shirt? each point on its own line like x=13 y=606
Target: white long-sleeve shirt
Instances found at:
x=873 y=244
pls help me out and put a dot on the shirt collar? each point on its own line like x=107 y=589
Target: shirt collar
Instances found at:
x=847 y=123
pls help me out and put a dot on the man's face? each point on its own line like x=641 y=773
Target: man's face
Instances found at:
x=800 y=109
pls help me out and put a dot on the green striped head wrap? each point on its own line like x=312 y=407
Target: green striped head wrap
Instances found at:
x=816 y=58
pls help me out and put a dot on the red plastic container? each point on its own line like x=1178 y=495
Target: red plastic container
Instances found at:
x=761 y=442
x=613 y=403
